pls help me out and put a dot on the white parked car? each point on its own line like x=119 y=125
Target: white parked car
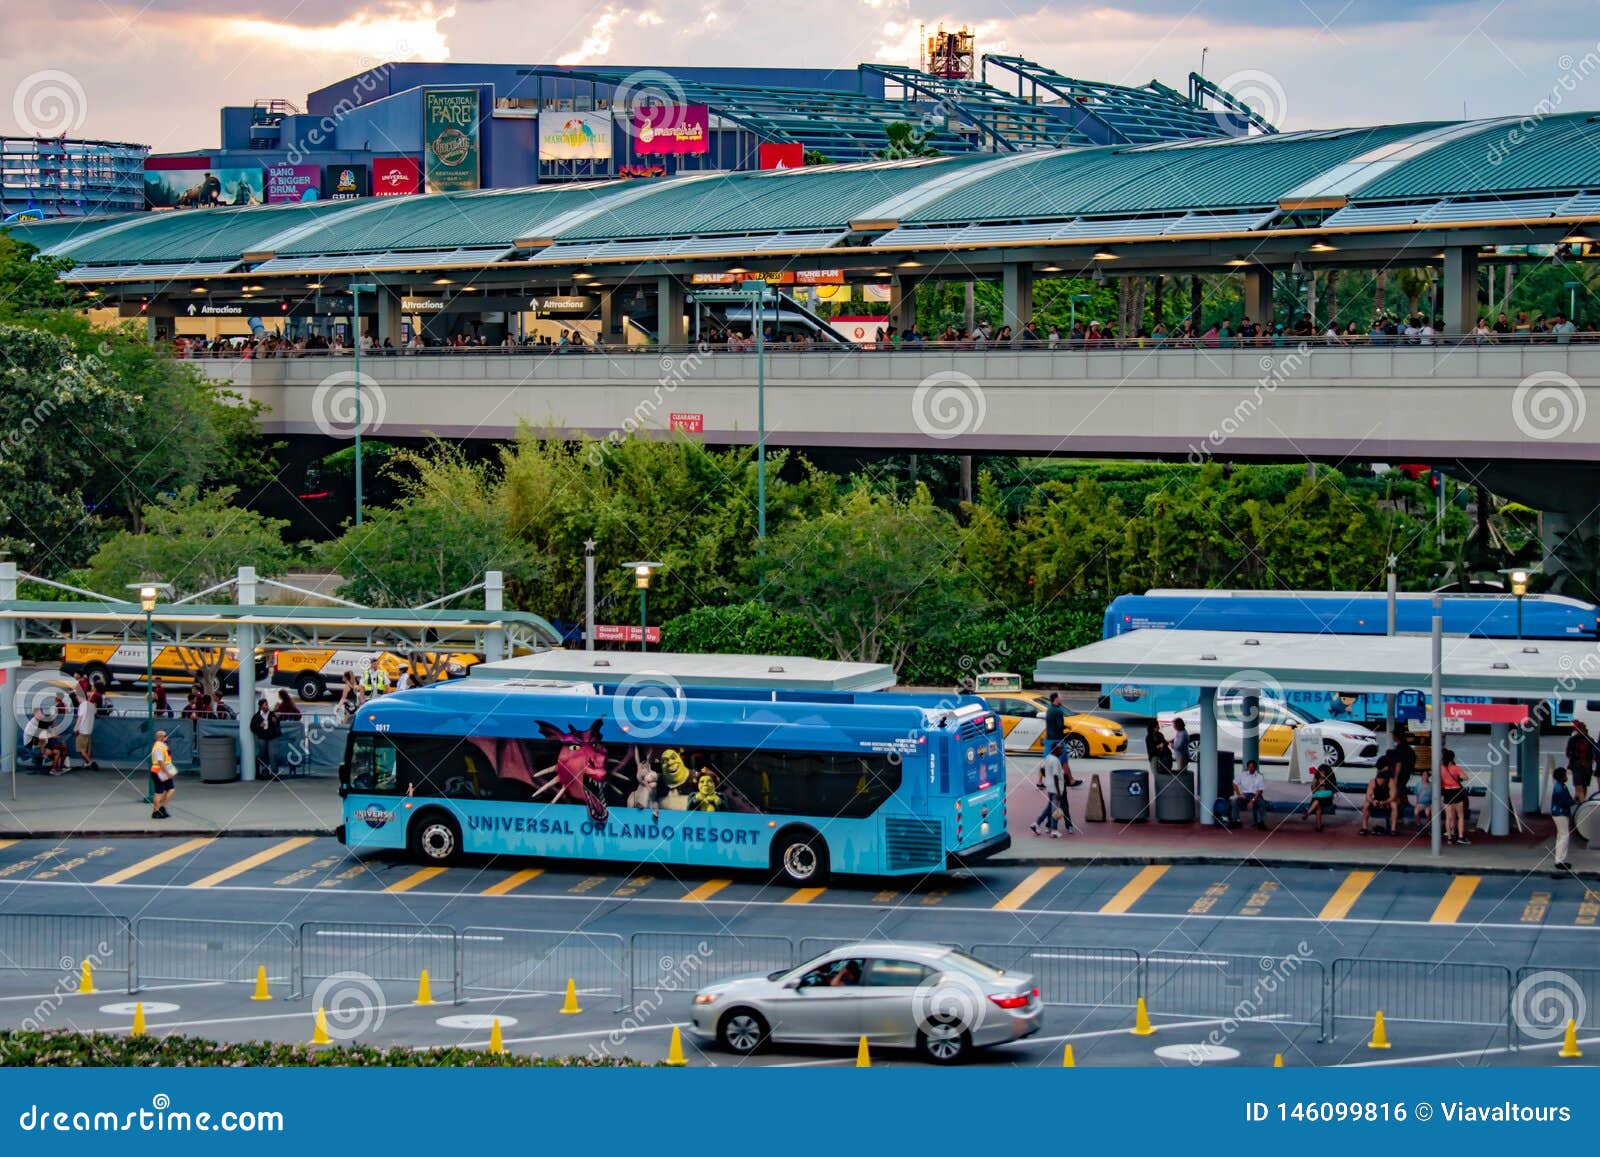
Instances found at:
x=1343 y=744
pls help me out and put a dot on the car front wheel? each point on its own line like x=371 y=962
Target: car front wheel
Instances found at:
x=742 y=1031
x=1332 y=753
x=1077 y=747
x=944 y=1042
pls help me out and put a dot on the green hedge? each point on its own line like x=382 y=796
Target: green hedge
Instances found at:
x=1013 y=641
x=94 y=1050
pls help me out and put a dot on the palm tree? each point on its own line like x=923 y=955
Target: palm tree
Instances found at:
x=905 y=142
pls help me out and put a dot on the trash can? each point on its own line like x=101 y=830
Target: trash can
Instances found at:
x=1130 y=795
x=1225 y=773
x=1175 y=797
x=219 y=759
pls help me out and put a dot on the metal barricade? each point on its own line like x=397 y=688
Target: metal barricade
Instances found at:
x=540 y=962
x=1421 y=991
x=374 y=952
x=60 y=942
x=1236 y=989
x=223 y=950
x=1071 y=976
x=1545 y=999
x=682 y=962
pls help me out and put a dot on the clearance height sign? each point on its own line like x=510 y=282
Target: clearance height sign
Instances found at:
x=450 y=140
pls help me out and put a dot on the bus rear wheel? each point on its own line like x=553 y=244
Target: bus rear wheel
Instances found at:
x=435 y=839
x=800 y=858
x=99 y=677
x=310 y=687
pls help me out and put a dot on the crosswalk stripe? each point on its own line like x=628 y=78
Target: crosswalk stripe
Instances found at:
x=157 y=860
x=1026 y=890
x=705 y=891
x=512 y=882
x=4 y=844
x=1133 y=889
x=1455 y=899
x=1346 y=895
x=266 y=855
x=804 y=895
x=420 y=876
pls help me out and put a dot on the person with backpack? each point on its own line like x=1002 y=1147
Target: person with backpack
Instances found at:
x=1561 y=808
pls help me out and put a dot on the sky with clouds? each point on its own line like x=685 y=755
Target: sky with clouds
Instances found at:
x=157 y=71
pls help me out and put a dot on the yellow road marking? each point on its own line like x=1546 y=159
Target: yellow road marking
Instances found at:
x=157 y=860
x=804 y=895
x=1208 y=899
x=512 y=882
x=4 y=844
x=1133 y=889
x=705 y=891
x=1026 y=890
x=266 y=855
x=1345 y=897
x=1537 y=908
x=420 y=876
x=1455 y=899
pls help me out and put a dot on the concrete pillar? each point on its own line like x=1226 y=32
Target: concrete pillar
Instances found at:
x=1528 y=766
x=1460 y=290
x=1502 y=751
x=1206 y=781
x=10 y=725
x=1258 y=296
x=494 y=590
x=670 y=325
x=389 y=317
x=608 y=317
x=903 y=303
x=1017 y=290
x=1252 y=723
x=969 y=307
x=244 y=639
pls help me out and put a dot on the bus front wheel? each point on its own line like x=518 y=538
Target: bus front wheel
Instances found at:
x=801 y=858
x=310 y=687
x=435 y=839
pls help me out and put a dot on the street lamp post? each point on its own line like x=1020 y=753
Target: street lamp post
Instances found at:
x=357 y=288
x=641 y=579
x=1519 y=587
x=588 y=594
x=1572 y=288
x=148 y=594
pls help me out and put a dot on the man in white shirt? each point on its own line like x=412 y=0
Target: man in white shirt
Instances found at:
x=1250 y=791
x=85 y=732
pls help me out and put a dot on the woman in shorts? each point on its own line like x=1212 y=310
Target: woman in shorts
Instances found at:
x=1453 y=798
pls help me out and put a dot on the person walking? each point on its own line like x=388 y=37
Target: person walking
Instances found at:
x=163 y=777
x=1581 y=759
x=1561 y=807
x=158 y=699
x=1055 y=722
x=1049 y=784
x=84 y=729
x=1453 y=798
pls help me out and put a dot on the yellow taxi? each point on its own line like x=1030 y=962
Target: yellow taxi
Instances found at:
x=1022 y=719
x=312 y=671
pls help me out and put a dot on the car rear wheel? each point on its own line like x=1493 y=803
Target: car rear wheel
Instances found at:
x=742 y=1031
x=1077 y=747
x=945 y=1041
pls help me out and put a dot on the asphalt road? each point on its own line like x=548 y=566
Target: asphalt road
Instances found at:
x=1240 y=924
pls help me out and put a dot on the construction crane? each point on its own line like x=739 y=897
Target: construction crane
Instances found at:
x=948 y=55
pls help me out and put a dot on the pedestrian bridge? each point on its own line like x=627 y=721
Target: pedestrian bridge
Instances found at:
x=1394 y=403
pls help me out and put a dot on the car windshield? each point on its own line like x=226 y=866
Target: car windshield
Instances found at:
x=1299 y=713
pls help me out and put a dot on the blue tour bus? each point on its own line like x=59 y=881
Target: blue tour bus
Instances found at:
x=798 y=782
x=1485 y=616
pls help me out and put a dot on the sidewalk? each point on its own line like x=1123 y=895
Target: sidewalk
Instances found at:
x=93 y=803
x=1289 y=840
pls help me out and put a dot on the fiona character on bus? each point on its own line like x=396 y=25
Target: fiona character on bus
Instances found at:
x=706 y=798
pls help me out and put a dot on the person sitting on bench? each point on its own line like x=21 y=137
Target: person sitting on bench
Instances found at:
x=1250 y=791
x=1323 y=788
x=1382 y=799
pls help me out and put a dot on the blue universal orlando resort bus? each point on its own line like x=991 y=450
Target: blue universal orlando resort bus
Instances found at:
x=1482 y=616
x=798 y=782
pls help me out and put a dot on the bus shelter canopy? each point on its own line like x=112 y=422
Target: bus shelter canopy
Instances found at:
x=762 y=672
x=1378 y=664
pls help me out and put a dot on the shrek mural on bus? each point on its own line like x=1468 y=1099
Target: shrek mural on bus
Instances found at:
x=570 y=763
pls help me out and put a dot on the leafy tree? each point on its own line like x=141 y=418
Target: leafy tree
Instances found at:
x=30 y=283
x=904 y=142
x=192 y=541
x=743 y=629
x=57 y=419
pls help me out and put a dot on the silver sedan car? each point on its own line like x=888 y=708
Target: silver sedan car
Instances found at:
x=936 y=999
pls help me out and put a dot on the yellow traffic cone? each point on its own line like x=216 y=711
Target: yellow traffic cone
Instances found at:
x=1068 y=1061
x=319 y=1035
x=1569 y=1047
x=261 y=992
x=138 y=1020
x=863 y=1057
x=1141 y=1020
x=1380 y=1035
x=424 y=989
x=570 y=1007
x=675 y=1057
x=1277 y=1060
x=86 y=980
x=497 y=1045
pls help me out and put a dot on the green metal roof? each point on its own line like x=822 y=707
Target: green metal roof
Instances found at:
x=1561 y=152
x=1236 y=173
x=198 y=235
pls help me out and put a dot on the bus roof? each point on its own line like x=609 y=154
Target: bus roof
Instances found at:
x=767 y=672
x=1483 y=596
